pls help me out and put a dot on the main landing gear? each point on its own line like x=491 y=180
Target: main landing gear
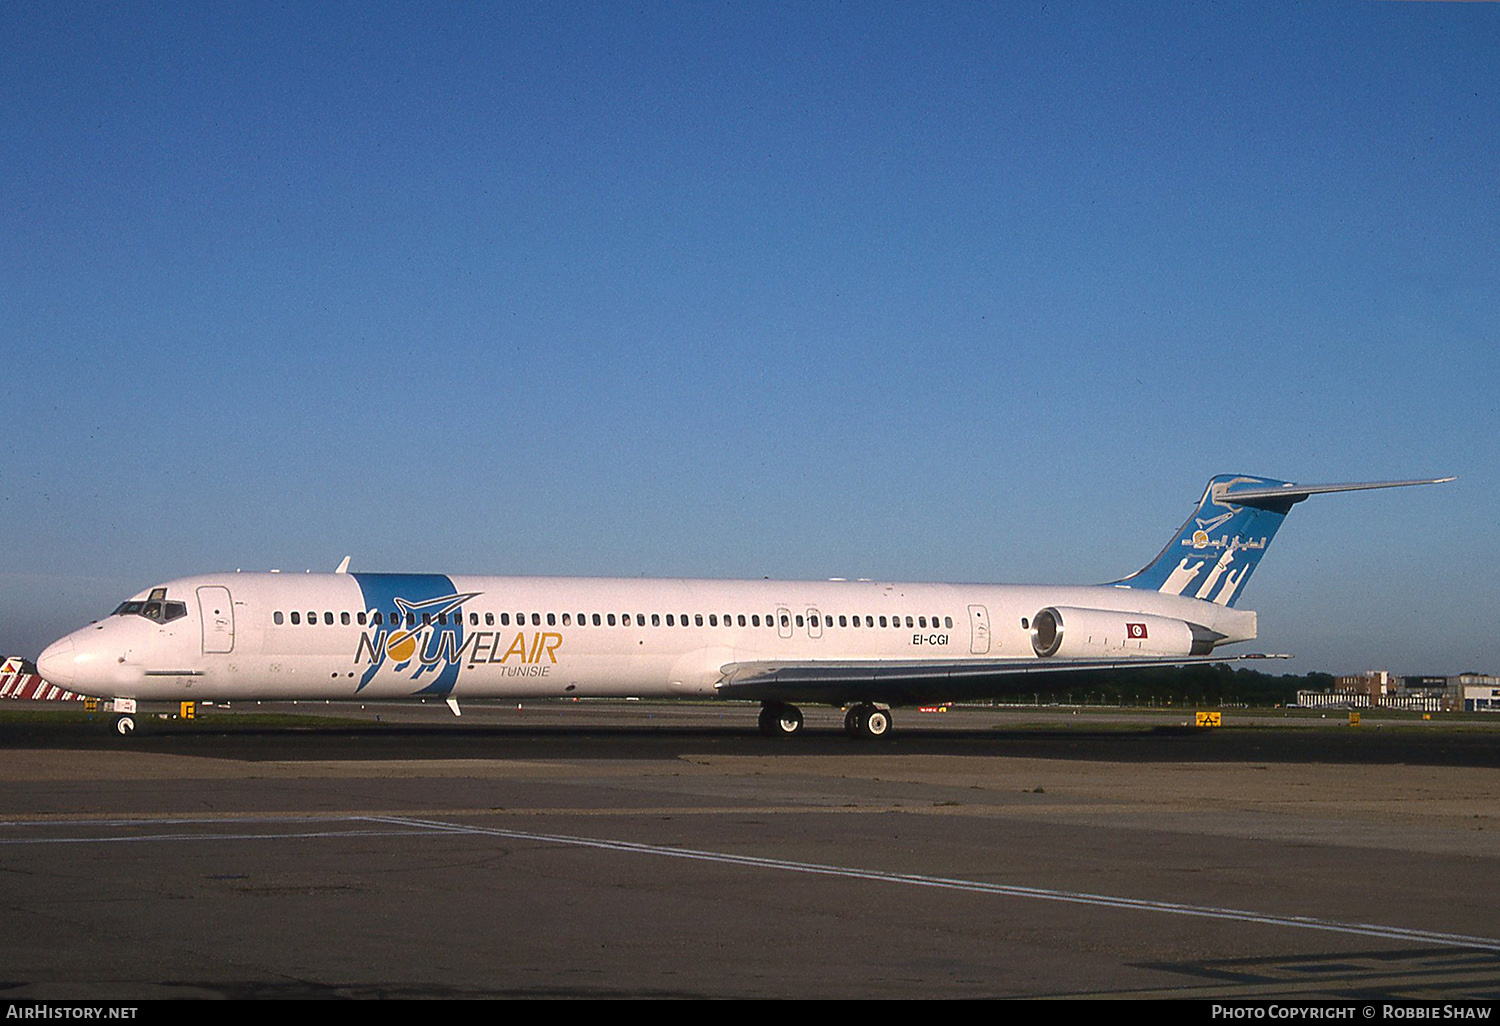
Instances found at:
x=867 y=721
x=780 y=720
x=864 y=720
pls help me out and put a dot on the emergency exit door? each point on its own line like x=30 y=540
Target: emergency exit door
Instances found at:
x=979 y=630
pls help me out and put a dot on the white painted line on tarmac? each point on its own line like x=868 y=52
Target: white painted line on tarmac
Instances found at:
x=399 y=826
x=980 y=887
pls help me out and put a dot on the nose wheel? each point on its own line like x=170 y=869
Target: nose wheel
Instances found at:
x=124 y=726
x=780 y=720
x=867 y=721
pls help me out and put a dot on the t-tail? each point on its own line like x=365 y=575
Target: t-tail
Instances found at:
x=1213 y=555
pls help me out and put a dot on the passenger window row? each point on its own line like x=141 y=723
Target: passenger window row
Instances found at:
x=394 y=618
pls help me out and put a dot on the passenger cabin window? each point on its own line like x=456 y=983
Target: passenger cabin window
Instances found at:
x=276 y=617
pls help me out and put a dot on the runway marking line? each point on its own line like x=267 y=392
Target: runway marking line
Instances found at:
x=404 y=826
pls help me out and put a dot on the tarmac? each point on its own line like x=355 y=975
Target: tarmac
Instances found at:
x=646 y=850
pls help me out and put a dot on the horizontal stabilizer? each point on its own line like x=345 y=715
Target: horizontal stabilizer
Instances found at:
x=1291 y=493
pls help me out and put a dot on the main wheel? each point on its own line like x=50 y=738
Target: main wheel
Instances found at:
x=877 y=723
x=779 y=720
x=124 y=725
x=867 y=721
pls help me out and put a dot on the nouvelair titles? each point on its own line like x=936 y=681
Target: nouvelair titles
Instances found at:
x=529 y=654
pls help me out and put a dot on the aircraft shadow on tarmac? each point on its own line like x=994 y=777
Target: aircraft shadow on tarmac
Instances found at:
x=382 y=741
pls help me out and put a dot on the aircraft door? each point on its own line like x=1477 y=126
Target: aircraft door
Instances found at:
x=783 y=621
x=814 y=623
x=216 y=610
x=979 y=630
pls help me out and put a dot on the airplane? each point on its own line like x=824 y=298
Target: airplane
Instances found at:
x=864 y=646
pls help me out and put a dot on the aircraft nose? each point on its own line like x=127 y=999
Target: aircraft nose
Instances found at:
x=56 y=665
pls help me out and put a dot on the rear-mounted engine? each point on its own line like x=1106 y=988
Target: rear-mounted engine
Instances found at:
x=1070 y=633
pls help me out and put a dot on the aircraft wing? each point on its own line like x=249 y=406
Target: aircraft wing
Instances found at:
x=841 y=682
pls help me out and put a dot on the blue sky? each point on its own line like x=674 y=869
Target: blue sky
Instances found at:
x=924 y=292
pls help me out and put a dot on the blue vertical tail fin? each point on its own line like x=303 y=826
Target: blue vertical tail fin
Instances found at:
x=1214 y=553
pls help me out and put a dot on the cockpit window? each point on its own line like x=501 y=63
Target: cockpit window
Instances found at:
x=156 y=609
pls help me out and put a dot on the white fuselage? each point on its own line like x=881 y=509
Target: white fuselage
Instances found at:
x=281 y=636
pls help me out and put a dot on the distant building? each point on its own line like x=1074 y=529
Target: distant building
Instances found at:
x=1415 y=702
x=1471 y=692
x=1430 y=694
x=1340 y=698
x=1375 y=683
x=1480 y=692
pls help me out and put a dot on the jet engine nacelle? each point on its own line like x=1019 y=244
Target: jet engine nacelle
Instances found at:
x=1070 y=633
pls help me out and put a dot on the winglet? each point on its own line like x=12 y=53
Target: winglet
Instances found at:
x=343 y=566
